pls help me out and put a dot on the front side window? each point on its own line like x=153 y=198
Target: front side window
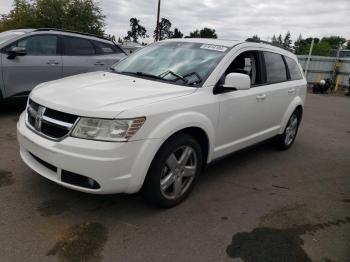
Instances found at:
x=294 y=70
x=39 y=45
x=275 y=68
x=247 y=63
x=177 y=62
x=77 y=46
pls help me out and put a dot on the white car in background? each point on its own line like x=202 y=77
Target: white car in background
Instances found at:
x=160 y=115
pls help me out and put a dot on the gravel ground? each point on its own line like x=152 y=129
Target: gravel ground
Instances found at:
x=255 y=205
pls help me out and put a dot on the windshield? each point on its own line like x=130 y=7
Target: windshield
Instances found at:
x=5 y=36
x=177 y=62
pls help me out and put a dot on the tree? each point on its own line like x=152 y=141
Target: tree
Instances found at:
x=20 y=16
x=136 y=31
x=256 y=37
x=204 y=33
x=348 y=45
x=287 y=41
x=279 y=40
x=334 y=41
x=194 y=34
x=164 y=29
x=274 y=40
x=177 y=34
x=84 y=16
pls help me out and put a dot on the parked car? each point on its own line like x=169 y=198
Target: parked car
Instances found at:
x=33 y=56
x=160 y=115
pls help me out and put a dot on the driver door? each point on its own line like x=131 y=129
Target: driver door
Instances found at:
x=243 y=112
x=41 y=63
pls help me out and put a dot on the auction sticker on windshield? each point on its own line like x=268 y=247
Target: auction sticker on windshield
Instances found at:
x=214 y=47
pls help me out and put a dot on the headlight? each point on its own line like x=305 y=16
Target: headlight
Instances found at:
x=107 y=130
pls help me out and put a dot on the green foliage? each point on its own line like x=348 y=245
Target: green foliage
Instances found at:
x=136 y=31
x=334 y=41
x=78 y=15
x=164 y=29
x=287 y=41
x=256 y=37
x=321 y=47
x=279 y=40
x=177 y=34
x=204 y=33
x=274 y=40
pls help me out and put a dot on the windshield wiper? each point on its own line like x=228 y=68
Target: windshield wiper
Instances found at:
x=141 y=74
x=164 y=74
x=195 y=74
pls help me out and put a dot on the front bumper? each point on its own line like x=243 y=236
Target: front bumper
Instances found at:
x=118 y=167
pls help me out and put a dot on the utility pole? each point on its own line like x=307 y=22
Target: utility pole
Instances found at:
x=157 y=26
x=309 y=58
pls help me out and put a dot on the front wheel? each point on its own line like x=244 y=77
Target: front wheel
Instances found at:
x=286 y=140
x=173 y=171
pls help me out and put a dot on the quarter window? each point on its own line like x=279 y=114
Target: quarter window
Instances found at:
x=77 y=46
x=275 y=68
x=294 y=70
x=39 y=45
x=105 y=49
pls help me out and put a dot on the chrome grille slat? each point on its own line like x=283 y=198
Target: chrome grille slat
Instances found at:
x=48 y=122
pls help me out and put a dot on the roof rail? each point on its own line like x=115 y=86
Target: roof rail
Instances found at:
x=254 y=40
x=72 y=31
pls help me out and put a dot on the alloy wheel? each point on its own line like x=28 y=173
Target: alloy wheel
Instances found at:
x=178 y=172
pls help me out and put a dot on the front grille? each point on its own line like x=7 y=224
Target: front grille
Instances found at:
x=51 y=123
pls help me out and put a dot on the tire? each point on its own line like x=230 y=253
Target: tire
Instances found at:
x=173 y=171
x=286 y=140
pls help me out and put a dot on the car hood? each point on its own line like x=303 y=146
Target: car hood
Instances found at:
x=103 y=94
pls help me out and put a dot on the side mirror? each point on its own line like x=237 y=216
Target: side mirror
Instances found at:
x=234 y=82
x=16 y=51
x=237 y=81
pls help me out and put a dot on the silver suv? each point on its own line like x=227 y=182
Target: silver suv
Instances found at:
x=31 y=56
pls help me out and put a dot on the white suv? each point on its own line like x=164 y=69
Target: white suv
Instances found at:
x=159 y=116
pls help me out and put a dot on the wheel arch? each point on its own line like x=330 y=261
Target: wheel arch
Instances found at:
x=296 y=105
x=194 y=124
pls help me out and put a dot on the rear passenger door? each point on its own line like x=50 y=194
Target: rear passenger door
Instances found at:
x=78 y=56
x=278 y=90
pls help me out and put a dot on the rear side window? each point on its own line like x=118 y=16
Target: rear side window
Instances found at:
x=105 y=49
x=39 y=44
x=77 y=46
x=275 y=68
x=294 y=70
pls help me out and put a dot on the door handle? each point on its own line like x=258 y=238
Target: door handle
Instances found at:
x=99 y=64
x=261 y=97
x=291 y=90
x=52 y=62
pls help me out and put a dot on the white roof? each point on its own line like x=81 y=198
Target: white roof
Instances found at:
x=209 y=41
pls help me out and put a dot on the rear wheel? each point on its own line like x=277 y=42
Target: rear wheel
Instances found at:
x=173 y=171
x=286 y=140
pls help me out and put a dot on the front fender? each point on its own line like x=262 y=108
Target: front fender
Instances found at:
x=175 y=123
x=160 y=134
x=297 y=101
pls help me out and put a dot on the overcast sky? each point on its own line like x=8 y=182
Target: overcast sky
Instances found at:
x=231 y=19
